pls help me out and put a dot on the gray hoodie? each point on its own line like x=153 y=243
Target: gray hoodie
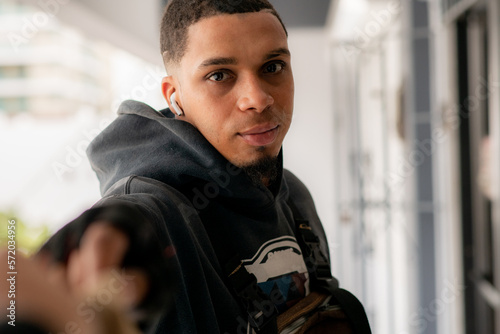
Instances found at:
x=209 y=211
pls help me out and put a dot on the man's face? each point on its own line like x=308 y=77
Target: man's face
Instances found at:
x=235 y=84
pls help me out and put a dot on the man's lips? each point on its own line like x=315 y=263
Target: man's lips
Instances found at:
x=260 y=135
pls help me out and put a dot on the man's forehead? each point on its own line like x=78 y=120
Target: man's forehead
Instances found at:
x=222 y=18
x=222 y=36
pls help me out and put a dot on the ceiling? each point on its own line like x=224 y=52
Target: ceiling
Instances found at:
x=132 y=25
x=303 y=13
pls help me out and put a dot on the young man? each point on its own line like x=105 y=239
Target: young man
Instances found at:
x=230 y=91
x=207 y=175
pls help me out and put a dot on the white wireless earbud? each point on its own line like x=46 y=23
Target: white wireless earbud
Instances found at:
x=174 y=104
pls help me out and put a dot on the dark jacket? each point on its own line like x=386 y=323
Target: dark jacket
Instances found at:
x=209 y=211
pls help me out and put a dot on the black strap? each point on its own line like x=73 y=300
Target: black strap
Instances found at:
x=353 y=309
x=321 y=276
x=317 y=262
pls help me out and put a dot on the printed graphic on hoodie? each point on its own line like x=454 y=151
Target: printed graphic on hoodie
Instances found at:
x=281 y=271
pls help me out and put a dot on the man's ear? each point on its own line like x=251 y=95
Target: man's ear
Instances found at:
x=168 y=87
x=172 y=94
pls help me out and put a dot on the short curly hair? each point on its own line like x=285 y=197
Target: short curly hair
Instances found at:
x=181 y=14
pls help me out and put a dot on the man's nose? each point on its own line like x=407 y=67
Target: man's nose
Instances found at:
x=253 y=95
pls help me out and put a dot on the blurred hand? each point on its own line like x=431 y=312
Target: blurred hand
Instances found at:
x=92 y=265
x=57 y=296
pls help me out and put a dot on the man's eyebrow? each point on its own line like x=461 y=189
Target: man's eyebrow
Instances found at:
x=277 y=53
x=218 y=61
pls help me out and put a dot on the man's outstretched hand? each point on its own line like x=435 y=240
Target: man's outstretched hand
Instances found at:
x=105 y=272
x=100 y=255
x=80 y=295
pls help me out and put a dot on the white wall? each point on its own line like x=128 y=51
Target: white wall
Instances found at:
x=308 y=148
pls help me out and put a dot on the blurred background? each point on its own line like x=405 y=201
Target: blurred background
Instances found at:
x=396 y=133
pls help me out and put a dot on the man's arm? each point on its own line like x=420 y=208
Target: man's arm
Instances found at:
x=117 y=234
x=112 y=250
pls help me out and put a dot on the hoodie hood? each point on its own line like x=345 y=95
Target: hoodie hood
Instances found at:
x=145 y=142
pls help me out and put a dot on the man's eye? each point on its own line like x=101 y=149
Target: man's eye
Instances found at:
x=274 y=68
x=219 y=76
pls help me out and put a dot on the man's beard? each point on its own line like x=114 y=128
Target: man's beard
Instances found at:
x=265 y=169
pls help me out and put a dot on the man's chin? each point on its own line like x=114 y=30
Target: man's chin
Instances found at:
x=263 y=170
x=256 y=154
